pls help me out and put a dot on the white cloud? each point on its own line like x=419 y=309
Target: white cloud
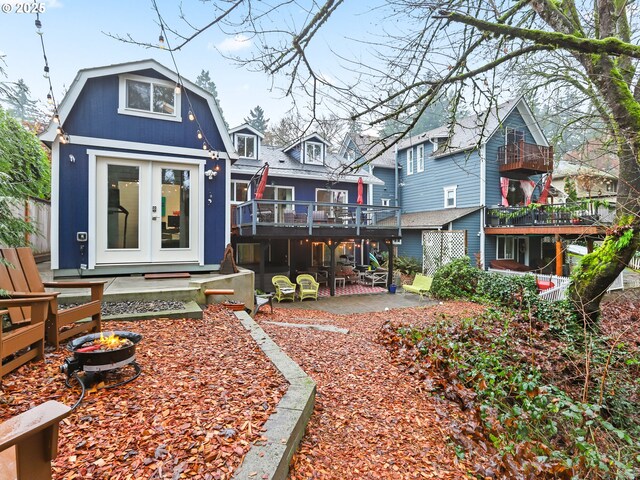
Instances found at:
x=54 y=4
x=233 y=44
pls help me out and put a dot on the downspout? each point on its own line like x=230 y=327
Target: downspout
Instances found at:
x=396 y=175
x=483 y=200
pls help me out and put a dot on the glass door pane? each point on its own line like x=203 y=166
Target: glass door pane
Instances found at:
x=123 y=204
x=176 y=208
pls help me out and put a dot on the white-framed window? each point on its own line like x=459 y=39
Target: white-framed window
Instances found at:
x=149 y=97
x=504 y=248
x=313 y=152
x=513 y=135
x=450 y=196
x=410 y=161
x=324 y=195
x=384 y=202
x=239 y=191
x=420 y=158
x=246 y=145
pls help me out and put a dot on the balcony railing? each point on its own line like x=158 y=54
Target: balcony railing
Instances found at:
x=582 y=213
x=525 y=157
x=314 y=216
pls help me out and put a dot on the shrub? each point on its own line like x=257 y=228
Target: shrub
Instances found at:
x=506 y=289
x=407 y=265
x=457 y=279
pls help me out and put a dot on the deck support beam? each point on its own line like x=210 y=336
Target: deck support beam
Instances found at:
x=558 y=255
x=332 y=266
x=389 y=244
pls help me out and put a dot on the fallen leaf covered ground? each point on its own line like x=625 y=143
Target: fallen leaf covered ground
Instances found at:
x=372 y=419
x=204 y=394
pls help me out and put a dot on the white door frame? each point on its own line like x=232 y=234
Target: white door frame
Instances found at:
x=92 y=185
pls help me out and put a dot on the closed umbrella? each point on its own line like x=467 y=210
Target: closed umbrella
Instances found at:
x=263 y=183
x=360 y=191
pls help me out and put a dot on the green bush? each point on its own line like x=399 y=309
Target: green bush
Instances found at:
x=506 y=289
x=407 y=265
x=457 y=279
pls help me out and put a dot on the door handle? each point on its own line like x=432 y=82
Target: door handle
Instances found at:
x=155 y=217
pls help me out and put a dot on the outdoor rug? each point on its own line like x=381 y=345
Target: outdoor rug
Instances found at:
x=351 y=289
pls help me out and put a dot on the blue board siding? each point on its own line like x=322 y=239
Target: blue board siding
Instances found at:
x=411 y=244
x=73 y=215
x=470 y=223
x=424 y=191
x=387 y=175
x=514 y=120
x=95 y=114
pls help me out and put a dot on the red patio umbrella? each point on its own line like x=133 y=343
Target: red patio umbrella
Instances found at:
x=263 y=183
x=360 y=191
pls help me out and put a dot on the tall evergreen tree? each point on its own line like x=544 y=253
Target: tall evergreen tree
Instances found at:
x=204 y=81
x=256 y=119
x=16 y=96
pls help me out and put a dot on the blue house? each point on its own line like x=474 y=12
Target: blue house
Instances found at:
x=310 y=215
x=141 y=169
x=463 y=189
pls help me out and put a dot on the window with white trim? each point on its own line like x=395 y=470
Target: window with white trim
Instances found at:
x=149 y=97
x=450 y=196
x=246 y=145
x=385 y=202
x=420 y=158
x=313 y=152
x=239 y=191
x=410 y=161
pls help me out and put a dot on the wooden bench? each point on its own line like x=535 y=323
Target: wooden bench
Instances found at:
x=22 y=280
x=29 y=441
x=24 y=341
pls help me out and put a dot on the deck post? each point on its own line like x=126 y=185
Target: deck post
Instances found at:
x=332 y=267
x=390 y=257
x=264 y=246
x=558 y=256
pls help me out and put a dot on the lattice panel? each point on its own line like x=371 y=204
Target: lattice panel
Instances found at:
x=441 y=247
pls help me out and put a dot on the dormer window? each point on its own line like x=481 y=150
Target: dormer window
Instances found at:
x=313 y=152
x=246 y=145
x=149 y=97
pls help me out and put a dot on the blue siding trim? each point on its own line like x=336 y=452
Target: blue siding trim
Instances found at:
x=95 y=114
x=387 y=175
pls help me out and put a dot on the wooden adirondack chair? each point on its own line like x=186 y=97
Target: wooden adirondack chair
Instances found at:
x=29 y=333
x=23 y=281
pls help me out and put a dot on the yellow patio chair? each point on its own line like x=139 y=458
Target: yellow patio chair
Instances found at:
x=308 y=286
x=421 y=285
x=285 y=290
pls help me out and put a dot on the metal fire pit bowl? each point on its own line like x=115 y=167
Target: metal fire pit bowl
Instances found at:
x=100 y=361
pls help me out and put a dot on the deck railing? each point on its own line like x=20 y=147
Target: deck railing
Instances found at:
x=550 y=215
x=314 y=215
x=527 y=156
x=561 y=284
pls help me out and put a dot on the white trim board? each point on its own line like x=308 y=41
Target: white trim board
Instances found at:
x=142 y=147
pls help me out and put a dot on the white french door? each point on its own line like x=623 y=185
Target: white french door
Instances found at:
x=146 y=211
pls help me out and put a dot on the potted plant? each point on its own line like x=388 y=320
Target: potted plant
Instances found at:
x=234 y=305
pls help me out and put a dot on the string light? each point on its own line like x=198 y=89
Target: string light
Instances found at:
x=200 y=134
x=56 y=118
x=49 y=99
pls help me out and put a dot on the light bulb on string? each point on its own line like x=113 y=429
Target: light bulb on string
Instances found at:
x=161 y=41
x=39 y=26
x=178 y=89
x=204 y=145
x=46 y=71
x=49 y=99
x=217 y=168
x=199 y=134
x=59 y=130
x=192 y=117
x=56 y=118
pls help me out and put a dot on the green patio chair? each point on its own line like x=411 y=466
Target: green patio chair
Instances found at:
x=421 y=285
x=285 y=290
x=308 y=286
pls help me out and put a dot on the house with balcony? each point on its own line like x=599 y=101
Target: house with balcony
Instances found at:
x=311 y=212
x=473 y=188
x=140 y=174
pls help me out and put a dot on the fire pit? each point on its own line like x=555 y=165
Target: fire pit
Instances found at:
x=99 y=352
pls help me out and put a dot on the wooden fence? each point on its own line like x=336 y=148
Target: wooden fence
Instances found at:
x=38 y=212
